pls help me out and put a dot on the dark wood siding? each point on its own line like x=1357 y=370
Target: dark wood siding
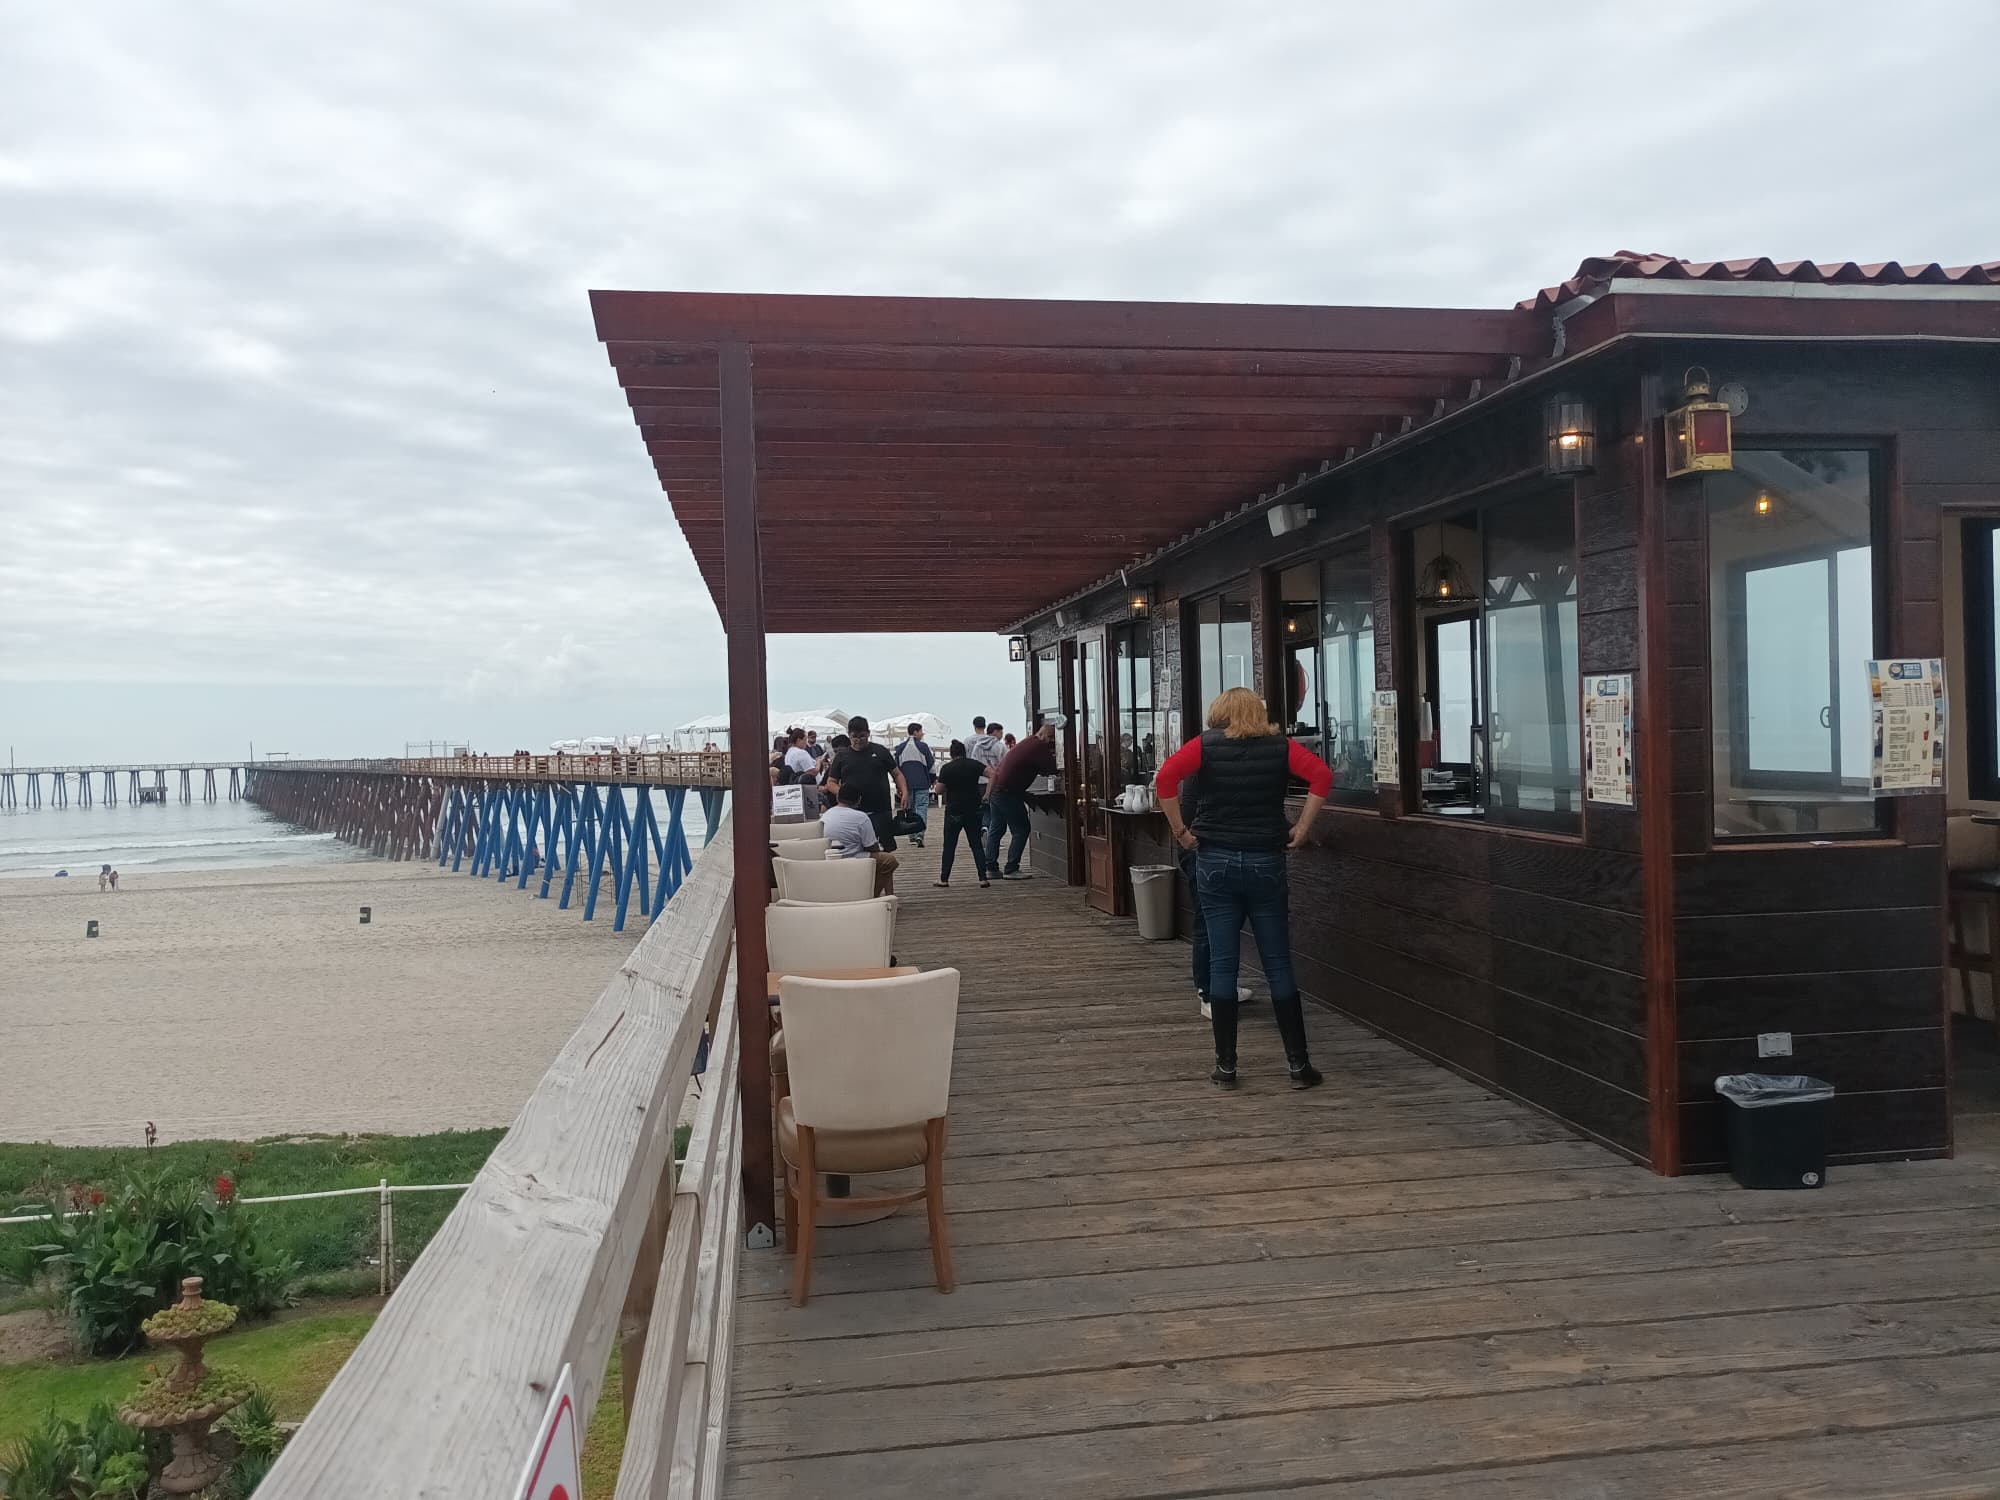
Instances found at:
x=1839 y=945
x=1516 y=960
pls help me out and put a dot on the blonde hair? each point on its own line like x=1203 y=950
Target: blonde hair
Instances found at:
x=1240 y=714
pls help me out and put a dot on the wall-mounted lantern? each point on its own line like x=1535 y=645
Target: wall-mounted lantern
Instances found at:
x=1698 y=433
x=1017 y=648
x=1570 y=425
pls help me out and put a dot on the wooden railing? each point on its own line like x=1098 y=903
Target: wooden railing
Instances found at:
x=577 y=1230
x=671 y=768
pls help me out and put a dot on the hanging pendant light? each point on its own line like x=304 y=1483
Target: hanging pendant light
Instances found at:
x=1443 y=580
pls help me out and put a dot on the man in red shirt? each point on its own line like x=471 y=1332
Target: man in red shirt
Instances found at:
x=1007 y=801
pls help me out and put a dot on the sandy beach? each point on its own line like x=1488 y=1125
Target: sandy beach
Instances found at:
x=244 y=1003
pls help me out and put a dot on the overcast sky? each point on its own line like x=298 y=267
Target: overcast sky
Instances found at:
x=305 y=437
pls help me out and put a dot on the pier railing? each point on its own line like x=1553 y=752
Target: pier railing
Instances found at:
x=578 y=1230
x=671 y=768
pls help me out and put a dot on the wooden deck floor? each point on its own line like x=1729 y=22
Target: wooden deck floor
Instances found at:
x=1396 y=1286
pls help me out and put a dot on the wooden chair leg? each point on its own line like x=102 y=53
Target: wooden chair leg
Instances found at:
x=791 y=1212
x=808 y=1201
x=947 y=1277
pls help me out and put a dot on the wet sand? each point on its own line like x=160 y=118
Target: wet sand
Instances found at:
x=245 y=1003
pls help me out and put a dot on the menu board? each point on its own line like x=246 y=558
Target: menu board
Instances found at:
x=1607 y=739
x=1387 y=736
x=1909 y=703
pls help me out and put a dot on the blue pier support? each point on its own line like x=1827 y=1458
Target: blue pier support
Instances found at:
x=711 y=811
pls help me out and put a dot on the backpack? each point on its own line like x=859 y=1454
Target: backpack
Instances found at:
x=786 y=775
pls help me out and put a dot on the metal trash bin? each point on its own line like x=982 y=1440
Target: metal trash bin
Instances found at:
x=1777 y=1128
x=1153 y=900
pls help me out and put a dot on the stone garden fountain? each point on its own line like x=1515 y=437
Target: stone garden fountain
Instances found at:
x=186 y=1401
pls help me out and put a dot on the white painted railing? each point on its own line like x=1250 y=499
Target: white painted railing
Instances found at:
x=577 y=1230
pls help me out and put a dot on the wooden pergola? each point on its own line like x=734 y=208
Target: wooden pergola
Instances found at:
x=986 y=458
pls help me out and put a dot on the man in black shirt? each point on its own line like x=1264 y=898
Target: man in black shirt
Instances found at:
x=871 y=769
x=960 y=778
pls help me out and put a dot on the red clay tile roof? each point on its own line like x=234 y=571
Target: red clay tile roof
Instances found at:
x=1597 y=273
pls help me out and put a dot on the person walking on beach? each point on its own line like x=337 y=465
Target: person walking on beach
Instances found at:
x=850 y=834
x=959 y=778
x=1242 y=766
x=985 y=748
x=104 y=877
x=114 y=880
x=915 y=759
x=1007 y=795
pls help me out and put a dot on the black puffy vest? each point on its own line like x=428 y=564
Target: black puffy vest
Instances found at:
x=1240 y=791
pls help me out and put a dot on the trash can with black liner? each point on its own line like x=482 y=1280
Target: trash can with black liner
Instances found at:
x=1777 y=1128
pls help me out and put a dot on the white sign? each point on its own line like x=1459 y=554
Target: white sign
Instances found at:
x=554 y=1467
x=788 y=800
x=1909 y=703
x=1607 y=739
x=1388 y=735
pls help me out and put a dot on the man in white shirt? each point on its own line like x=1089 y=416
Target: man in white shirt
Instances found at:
x=988 y=748
x=850 y=834
x=801 y=766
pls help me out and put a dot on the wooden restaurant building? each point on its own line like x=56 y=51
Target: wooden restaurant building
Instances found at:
x=1422 y=534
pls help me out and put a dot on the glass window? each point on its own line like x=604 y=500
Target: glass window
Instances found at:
x=1222 y=628
x=1347 y=671
x=1048 y=690
x=1534 y=773
x=1792 y=627
x=1138 y=735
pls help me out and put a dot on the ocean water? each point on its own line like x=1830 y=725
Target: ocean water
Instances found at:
x=154 y=838
x=157 y=838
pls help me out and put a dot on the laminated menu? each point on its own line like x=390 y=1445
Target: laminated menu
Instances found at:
x=1909 y=712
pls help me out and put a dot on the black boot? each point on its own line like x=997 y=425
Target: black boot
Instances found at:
x=1290 y=1015
x=1222 y=1021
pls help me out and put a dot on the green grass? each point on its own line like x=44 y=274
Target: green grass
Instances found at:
x=292 y=1361
x=327 y=1238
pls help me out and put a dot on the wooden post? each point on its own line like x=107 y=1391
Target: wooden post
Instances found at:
x=750 y=785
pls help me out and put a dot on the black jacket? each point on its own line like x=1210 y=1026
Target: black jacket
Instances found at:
x=1241 y=790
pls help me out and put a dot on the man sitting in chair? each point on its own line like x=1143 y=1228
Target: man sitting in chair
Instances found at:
x=850 y=834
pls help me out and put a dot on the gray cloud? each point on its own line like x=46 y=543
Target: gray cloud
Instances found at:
x=300 y=384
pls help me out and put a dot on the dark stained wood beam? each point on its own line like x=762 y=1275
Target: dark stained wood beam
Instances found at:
x=750 y=786
x=816 y=360
x=776 y=321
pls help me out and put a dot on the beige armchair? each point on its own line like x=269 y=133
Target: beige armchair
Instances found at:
x=840 y=935
x=871 y=1085
x=785 y=832
x=825 y=879
x=804 y=848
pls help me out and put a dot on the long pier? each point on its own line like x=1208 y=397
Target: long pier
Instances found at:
x=86 y=786
x=514 y=818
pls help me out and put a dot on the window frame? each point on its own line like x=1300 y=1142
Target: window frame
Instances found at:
x=1473 y=511
x=1880 y=573
x=1982 y=690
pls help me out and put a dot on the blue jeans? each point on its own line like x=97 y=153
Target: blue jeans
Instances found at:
x=1007 y=812
x=920 y=804
x=1200 y=933
x=968 y=824
x=1236 y=884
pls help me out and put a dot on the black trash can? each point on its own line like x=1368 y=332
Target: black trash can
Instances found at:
x=1777 y=1128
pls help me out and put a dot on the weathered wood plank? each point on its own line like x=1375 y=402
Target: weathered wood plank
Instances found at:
x=1414 y=1250
x=1542 y=1349
x=1309 y=1311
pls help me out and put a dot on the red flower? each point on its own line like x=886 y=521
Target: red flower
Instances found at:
x=225 y=1188
x=97 y=1197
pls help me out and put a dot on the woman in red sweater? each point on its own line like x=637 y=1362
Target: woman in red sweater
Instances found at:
x=1242 y=768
